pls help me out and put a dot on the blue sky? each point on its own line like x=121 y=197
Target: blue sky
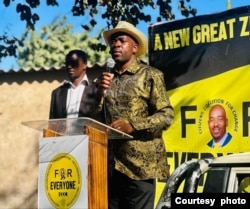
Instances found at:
x=13 y=26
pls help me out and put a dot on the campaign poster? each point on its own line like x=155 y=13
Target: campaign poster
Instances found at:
x=206 y=66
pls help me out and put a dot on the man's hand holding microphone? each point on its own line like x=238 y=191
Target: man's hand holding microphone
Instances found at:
x=106 y=77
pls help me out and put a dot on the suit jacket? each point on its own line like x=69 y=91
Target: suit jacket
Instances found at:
x=211 y=142
x=58 y=105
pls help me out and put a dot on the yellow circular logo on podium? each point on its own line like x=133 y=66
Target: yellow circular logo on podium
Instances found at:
x=63 y=181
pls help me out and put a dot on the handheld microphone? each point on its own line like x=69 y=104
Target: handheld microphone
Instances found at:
x=110 y=64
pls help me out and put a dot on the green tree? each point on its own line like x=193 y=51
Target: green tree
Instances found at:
x=112 y=11
x=49 y=47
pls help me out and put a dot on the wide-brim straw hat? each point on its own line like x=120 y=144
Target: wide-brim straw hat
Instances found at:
x=131 y=30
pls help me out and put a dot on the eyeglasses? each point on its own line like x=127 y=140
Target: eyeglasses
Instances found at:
x=72 y=63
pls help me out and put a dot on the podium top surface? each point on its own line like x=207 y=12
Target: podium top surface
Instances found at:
x=75 y=126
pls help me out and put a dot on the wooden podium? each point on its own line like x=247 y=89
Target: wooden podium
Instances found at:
x=74 y=134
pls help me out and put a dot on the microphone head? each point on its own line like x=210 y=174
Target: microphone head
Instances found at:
x=110 y=63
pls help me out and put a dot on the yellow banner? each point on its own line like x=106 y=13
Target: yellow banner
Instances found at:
x=207 y=78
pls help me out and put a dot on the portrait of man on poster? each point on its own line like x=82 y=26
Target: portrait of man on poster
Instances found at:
x=217 y=123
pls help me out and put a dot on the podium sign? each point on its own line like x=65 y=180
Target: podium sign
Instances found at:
x=73 y=162
x=63 y=172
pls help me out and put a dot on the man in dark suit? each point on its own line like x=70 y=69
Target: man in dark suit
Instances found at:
x=217 y=124
x=76 y=97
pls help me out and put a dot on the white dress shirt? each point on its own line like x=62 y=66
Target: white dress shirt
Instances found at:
x=74 y=97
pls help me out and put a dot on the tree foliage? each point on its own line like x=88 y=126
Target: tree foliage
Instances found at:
x=114 y=11
x=49 y=47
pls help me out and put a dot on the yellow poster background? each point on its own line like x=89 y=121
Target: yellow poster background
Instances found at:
x=229 y=89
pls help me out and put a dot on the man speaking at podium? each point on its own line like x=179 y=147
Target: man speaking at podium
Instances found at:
x=135 y=102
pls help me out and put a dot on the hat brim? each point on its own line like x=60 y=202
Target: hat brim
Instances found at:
x=139 y=36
